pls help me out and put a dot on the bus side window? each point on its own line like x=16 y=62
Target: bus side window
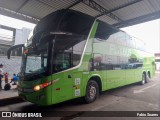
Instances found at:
x=97 y=61
x=130 y=41
x=140 y=45
x=77 y=52
x=90 y=65
x=139 y=66
x=123 y=61
x=104 y=31
x=112 y=62
x=120 y=38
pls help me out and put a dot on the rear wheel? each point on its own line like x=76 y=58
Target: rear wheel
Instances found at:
x=143 y=81
x=147 y=78
x=92 y=91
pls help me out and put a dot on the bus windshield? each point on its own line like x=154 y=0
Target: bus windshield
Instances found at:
x=36 y=61
x=64 y=53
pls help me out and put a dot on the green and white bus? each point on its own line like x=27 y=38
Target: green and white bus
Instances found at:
x=71 y=55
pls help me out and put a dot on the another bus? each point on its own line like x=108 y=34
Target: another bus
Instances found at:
x=71 y=55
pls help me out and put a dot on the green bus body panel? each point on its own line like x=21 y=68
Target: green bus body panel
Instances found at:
x=72 y=83
x=65 y=88
x=33 y=96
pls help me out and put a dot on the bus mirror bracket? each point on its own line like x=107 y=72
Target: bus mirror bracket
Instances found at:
x=12 y=48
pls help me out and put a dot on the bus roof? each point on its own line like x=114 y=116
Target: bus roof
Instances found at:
x=66 y=20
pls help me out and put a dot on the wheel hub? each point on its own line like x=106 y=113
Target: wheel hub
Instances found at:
x=92 y=92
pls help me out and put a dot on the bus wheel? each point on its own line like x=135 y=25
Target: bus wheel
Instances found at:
x=92 y=91
x=143 y=81
x=147 y=78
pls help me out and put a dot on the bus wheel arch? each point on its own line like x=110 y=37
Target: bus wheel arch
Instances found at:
x=99 y=82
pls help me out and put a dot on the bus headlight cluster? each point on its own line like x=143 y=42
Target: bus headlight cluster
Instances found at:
x=44 y=85
x=41 y=86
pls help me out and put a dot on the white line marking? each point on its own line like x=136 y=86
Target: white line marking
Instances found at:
x=142 y=90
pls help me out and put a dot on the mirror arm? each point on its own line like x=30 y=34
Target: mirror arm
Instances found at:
x=12 y=48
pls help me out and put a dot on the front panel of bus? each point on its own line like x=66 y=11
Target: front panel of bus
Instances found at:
x=50 y=65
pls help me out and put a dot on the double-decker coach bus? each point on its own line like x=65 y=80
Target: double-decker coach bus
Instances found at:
x=71 y=54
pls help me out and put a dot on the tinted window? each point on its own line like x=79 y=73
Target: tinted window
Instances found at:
x=97 y=60
x=139 y=44
x=67 y=51
x=130 y=41
x=157 y=60
x=104 y=31
x=107 y=32
x=105 y=62
x=120 y=38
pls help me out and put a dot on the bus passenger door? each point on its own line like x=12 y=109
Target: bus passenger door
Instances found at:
x=62 y=88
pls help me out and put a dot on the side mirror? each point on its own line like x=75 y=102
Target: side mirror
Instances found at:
x=12 y=48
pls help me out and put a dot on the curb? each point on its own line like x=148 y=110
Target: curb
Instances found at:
x=9 y=101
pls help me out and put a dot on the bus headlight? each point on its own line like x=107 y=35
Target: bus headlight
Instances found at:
x=37 y=88
x=44 y=85
x=41 y=86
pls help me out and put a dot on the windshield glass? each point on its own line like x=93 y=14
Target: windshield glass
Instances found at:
x=36 y=61
x=30 y=35
x=68 y=50
x=65 y=51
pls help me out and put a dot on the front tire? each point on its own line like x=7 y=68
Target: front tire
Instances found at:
x=92 y=91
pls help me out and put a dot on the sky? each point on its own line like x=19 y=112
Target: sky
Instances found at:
x=149 y=32
x=15 y=23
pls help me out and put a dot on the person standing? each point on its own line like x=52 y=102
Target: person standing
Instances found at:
x=6 y=77
x=1 y=75
x=14 y=79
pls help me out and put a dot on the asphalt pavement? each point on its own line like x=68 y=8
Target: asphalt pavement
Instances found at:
x=9 y=93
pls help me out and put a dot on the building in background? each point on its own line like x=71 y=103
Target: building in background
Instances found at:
x=9 y=37
x=157 y=61
x=12 y=36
